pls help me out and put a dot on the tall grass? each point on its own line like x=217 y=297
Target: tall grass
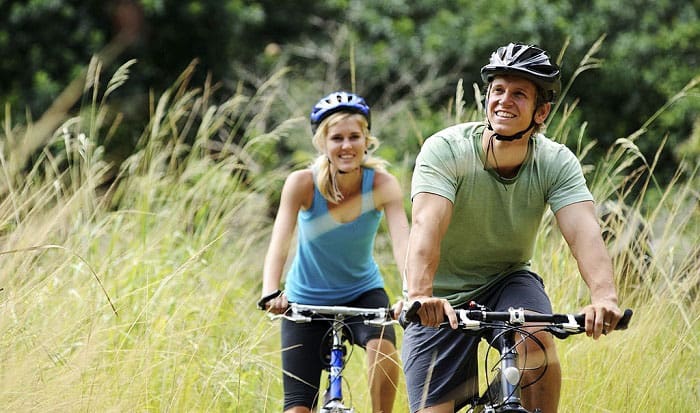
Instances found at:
x=174 y=239
x=653 y=235
x=134 y=290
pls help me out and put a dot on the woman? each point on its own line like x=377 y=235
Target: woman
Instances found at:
x=337 y=203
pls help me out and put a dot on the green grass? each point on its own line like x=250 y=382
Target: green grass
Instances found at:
x=134 y=290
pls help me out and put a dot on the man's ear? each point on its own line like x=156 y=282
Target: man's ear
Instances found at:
x=542 y=112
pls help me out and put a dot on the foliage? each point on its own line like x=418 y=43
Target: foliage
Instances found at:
x=643 y=68
x=35 y=66
x=406 y=57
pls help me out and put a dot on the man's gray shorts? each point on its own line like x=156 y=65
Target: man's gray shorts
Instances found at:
x=447 y=359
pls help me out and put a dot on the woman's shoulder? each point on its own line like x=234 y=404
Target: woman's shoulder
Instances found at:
x=299 y=186
x=382 y=176
x=386 y=185
x=300 y=181
x=301 y=177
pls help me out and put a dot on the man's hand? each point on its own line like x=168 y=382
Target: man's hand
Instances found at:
x=433 y=310
x=601 y=317
x=396 y=309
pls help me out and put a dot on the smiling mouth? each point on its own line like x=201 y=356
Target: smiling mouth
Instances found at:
x=504 y=115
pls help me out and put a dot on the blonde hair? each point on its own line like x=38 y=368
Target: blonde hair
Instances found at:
x=325 y=176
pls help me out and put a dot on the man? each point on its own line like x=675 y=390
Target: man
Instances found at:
x=479 y=192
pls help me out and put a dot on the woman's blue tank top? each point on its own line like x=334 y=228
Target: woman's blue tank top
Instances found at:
x=334 y=262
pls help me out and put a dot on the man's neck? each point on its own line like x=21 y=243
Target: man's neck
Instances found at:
x=505 y=157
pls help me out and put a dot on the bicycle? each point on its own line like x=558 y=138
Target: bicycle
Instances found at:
x=502 y=394
x=333 y=401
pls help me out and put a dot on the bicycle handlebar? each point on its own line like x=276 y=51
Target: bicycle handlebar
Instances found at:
x=561 y=325
x=303 y=313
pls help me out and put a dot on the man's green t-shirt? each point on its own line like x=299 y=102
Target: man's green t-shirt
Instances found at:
x=494 y=220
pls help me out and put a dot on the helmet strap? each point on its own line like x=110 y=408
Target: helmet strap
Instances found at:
x=511 y=137
x=516 y=136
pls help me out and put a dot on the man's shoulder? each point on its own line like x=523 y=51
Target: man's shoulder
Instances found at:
x=459 y=130
x=459 y=134
x=548 y=147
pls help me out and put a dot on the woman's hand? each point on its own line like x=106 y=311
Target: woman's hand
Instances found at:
x=275 y=302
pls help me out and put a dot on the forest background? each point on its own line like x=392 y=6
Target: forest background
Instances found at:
x=144 y=145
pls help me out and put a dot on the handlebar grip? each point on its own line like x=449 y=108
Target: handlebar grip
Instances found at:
x=411 y=315
x=264 y=300
x=625 y=320
x=621 y=325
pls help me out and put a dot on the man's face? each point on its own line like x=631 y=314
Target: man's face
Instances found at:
x=511 y=104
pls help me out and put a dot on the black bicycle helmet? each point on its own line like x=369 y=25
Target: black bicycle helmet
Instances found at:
x=527 y=61
x=337 y=102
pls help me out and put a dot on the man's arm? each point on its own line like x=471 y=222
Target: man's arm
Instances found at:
x=431 y=216
x=579 y=225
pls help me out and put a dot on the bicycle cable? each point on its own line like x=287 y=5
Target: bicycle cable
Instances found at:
x=524 y=336
x=327 y=339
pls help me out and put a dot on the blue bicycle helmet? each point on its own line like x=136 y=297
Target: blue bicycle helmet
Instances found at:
x=526 y=61
x=338 y=102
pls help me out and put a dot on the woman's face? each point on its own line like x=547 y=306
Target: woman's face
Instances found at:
x=511 y=105
x=346 y=143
